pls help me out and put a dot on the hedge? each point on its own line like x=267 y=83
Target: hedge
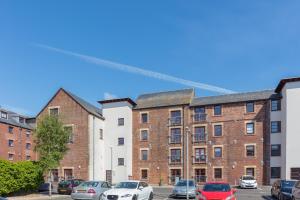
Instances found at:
x=19 y=177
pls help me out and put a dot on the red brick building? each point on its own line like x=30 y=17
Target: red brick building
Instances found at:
x=16 y=138
x=228 y=136
x=75 y=114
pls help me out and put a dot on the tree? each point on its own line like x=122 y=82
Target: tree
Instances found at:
x=51 y=140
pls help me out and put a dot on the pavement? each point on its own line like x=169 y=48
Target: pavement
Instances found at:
x=162 y=193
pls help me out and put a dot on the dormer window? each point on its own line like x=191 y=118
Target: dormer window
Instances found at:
x=3 y=115
x=21 y=120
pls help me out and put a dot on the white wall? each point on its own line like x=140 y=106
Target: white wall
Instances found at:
x=111 y=112
x=291 y=93
x=96 y=149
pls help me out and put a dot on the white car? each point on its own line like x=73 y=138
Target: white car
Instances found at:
x=129 y=190
x=247 y=182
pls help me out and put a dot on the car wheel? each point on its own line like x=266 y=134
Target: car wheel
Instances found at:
x=150 y=196
x=134 y=197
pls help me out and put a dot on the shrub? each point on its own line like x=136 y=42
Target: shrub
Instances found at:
x=21 y=176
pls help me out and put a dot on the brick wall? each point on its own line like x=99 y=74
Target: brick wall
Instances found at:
x=71 y=113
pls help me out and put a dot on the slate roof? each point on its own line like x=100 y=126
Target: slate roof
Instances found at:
x=11 y=120
x=86 y=105
x=162 y=99
x=232 y=98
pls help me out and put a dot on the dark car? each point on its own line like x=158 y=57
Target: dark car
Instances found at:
x=44 y=187
x=66 y=186
x=296 y=191
x=282 y=189
x=2 y=198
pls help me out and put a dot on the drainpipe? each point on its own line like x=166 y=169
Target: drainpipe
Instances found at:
x=93 y=147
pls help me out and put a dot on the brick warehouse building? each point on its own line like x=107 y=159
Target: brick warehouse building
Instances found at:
x=16 y=138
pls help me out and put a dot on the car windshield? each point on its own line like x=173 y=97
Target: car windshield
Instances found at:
x=216 y=188
x=248 y=178
x=89 y=184
x=288 y=183
x=183 y=183
x=127 y=185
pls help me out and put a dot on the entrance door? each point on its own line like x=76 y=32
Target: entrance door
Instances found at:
x=109 y=176
x=68 y=174
x=200 y=175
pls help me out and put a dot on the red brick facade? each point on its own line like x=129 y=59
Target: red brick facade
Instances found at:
x=233 y=142
x=20 y=137
x=76 y=161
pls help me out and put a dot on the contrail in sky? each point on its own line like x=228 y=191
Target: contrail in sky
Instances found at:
x=137 y=70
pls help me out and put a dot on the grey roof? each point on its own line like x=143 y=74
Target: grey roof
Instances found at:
x=161 y=99
x=231 y=98
x=12 y=119
x=86 y=105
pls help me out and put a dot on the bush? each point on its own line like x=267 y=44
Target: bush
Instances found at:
x=21 y=176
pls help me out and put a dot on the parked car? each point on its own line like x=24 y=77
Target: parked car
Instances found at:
x=247 y=181
x=66 y=186
x=91 y=190
x=296 y=191
x=2 y=198
x=44 y=187
x=129 y=190
x=180 y=189
x=216 y=190
x=282 y=189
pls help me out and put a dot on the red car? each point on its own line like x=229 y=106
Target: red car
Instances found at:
x=216 y=190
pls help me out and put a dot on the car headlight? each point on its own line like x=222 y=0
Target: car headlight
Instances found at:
x=126 y=195
x=230 y=197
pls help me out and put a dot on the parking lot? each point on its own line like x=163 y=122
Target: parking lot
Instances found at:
x=163 y=194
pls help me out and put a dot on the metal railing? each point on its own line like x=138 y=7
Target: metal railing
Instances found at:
x=199 y=117
x=173 y=179
x=200 y=137
x=200 y=178
x=175 y=121
x=175 y=139
x=200 y=159
x=175 y=160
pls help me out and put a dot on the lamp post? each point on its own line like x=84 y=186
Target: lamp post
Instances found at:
x=187 y=130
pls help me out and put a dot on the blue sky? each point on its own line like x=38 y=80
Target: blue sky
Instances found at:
x=237 y=45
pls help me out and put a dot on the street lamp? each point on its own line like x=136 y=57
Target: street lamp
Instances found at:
x=187 y=130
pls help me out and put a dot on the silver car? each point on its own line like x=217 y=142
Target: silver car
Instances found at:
x=90 y=190
x=180 y=189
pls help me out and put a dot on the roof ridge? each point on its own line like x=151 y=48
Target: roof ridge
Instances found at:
x=168 y=91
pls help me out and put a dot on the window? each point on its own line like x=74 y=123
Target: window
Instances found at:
x=28 y=146
x=276 y=105
x=69 y=130
x=3 y=115
x=175 y=155
x=250 y=128
x=120 y=141
x=200 y=155
x=10 y=156
x=275 y=150
x=175 y=117
x=144 y=135
x=218 y=152
x=28 y=157
x=144 y=174
x=175 y=136
x=200 y=109
x=276 y=172
x=10 y=143
x=295 y=175
x=218 y=172
x=121 y=121
x=53 y=112
x=10 y=129
x=101 y=134
x=217 y=130
x=144 y=117
x=199 y=134
x=199 y=114
x=250 y=107
x=250 y=171
x=21 y=120
x=27 y=134
x=217 y=110
x=121 y=161
x=250 y=150
x=144 y=154
x=275 y=126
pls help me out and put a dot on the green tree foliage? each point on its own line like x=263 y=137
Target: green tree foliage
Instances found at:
x=51 y=141
x=19 y=177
